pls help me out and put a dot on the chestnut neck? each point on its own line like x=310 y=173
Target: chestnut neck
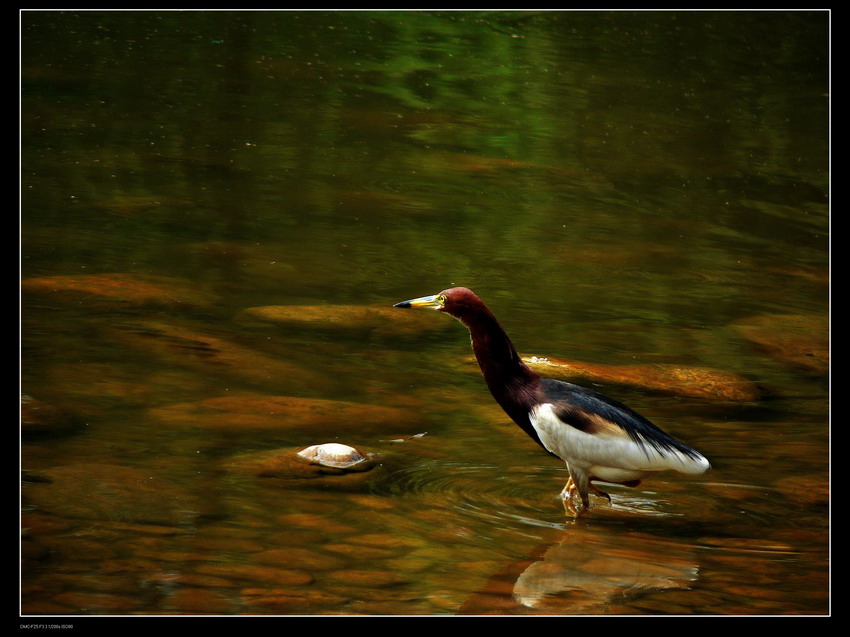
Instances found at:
x=510 y=380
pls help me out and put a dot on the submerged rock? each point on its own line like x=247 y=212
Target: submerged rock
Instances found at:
x=120 y=288
x=110 y=492
x=381 y=322
x=199 y=350
x=801 y=341
x=85 y=386
x=695 y=382
x=311 y=415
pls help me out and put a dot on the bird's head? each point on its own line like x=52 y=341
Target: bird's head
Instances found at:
x=458 y=302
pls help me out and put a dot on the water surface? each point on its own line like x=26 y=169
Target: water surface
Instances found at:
x=624 y=189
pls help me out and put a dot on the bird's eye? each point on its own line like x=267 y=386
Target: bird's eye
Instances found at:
x=442 y=299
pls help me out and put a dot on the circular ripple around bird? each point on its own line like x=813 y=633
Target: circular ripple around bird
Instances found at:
x=471 y=490
x=514 y=498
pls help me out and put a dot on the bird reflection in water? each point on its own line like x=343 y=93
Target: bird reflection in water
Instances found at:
x=589 y=572
x=585 y=572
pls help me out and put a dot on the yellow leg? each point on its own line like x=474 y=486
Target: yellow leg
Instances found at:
x=567 y=494
x=569 y=491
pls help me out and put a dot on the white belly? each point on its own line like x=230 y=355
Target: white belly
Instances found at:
x=617 y=476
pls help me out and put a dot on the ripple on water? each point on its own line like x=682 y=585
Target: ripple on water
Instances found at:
x=516 y=500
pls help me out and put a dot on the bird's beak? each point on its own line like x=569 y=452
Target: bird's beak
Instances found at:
x=435 y=301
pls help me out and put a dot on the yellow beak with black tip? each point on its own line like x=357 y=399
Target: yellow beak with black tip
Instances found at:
x=435 y=301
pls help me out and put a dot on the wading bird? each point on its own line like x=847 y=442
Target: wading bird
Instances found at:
x=600 y=439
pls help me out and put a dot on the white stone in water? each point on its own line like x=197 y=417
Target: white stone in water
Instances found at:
x=333 y=454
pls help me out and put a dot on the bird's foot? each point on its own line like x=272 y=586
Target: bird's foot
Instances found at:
x=567 y=496
x=570 y=507
x=569 y=492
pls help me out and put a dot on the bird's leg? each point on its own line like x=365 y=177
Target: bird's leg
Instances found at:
x=570 y=508
x=568 y=490
x=596 y=490
x=582 y=483
x=578 y=482
x=566 y=495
